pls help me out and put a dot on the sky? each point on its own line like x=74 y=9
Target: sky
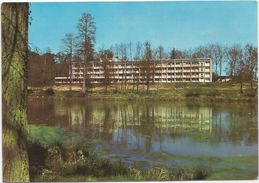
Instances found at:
x=181 y=25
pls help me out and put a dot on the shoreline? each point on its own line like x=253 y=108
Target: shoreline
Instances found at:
x=219 y=92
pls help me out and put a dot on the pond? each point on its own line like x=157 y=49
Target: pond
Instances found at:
x=221 y=136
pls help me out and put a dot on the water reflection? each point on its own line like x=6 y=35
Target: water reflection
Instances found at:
x=176 y=128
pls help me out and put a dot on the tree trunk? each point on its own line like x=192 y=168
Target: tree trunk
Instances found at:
x=14 y=73
x=251 y=83
x=241 y=87
x=84 y=80
x=70 y=74
x=220 y=67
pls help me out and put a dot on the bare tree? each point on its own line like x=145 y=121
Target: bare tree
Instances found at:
x=176 y=54
x=147 y=63
x=139 y=51
x=69 y=43
x=130 y=50
x=86 y=28
x=234 y=56
x=123 y=52
x=241 y=73
x=250 y=60
x=138 y=57
x=107 y=65
x=216 y=53
x=201 y=52
x=160 y=54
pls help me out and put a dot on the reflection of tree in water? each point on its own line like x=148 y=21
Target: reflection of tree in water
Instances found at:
x=43 y=111
x=124 y=126
x=147 y=125
x=107 y=132
x=235 y=124
x=137 y=124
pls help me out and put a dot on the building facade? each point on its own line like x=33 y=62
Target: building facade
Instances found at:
x=164 y=71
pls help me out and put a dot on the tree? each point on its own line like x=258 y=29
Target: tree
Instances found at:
x=138 y=57
x=139 y=51
x=107 y=65
x=234 y=56
x=48 y=61
x=250 y=61
x=130 y=50
x=42 y=69
x=123 y=50
x=216 y=53
x=86 y=28
x=14 y=21
x=69 y=42
x=160 y=53
x=176 y=54
x=147 y=63
x=61 y=65
x=241 y=73
x=201 y=52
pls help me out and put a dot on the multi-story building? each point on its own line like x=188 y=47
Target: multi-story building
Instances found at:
x=164 y=71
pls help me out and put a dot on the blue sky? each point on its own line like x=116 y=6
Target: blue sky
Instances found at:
x=182 y=25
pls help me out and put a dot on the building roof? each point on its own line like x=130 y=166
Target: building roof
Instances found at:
x=163 y=60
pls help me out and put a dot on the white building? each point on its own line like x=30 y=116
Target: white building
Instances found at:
x=164 y=71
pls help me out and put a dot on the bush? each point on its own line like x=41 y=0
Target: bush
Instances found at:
x=193 y=93
x=59 y=161
x=250 y=94
x=50 y=91
x=47 y=176
x=29 y=91
x=213 y=93
x=158 y=173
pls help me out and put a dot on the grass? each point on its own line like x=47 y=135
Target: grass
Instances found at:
x=84 y=166
x=228 y=91
x=64 y=160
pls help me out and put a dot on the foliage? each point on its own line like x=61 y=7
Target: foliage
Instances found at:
x=50 y=91
x=195 y=92
x=46 y=136
x=62 y=160
x=42 y=69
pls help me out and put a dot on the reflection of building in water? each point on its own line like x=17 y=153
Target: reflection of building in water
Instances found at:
x=179 y=117
x=166 y=117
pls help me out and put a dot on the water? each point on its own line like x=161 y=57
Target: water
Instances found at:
x=151 y=133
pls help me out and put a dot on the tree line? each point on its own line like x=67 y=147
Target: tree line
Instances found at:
x=238 y=62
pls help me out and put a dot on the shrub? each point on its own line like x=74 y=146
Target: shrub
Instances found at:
x=47 y=176
x=50 y=91
x=158 y=173
x=250 y=94
x=29 y=91
x=213 y=93
x=59 y=161
x=193 y=93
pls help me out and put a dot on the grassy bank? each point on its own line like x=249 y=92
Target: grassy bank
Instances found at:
x=55 y=156
x=196 y=92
